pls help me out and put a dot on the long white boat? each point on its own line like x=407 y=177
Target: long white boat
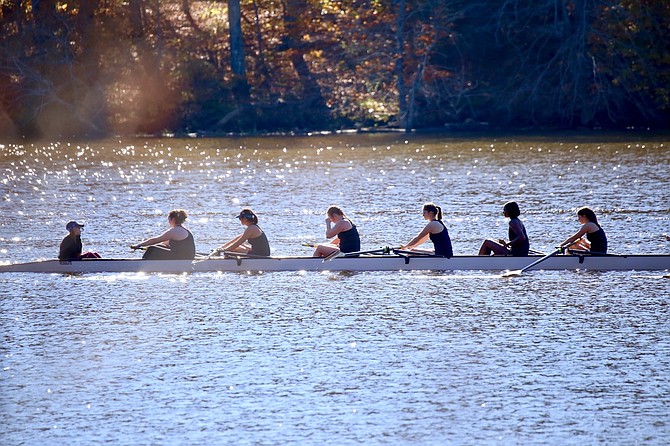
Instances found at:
x=367 y=262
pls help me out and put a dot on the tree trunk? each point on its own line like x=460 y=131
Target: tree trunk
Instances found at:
x=401 y=17
x=240 y=84
x=311 y=91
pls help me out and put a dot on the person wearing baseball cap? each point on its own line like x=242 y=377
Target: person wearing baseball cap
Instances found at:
x=71 y=246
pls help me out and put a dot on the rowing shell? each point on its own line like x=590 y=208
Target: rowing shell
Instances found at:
x=391 y=262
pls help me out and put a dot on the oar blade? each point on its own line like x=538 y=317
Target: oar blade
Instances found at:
x=513 y=273
x=516 y=273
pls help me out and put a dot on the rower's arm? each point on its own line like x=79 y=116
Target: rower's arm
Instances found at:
x=576 y=236
x=234 y=243
x=164 y=237
x=419 y=239
x=340 y=226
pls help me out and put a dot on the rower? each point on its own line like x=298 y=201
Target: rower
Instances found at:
x=518 y=244
x=252 y=241
x=594 y=240
x=344 y=234
x=435 y=230
x=176 y=243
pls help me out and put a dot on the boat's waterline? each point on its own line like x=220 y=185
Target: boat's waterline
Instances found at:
x=638 y=262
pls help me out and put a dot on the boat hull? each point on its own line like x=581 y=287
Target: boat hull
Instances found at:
x=649 y=262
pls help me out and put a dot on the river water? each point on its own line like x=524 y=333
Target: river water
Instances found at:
x=369 y=358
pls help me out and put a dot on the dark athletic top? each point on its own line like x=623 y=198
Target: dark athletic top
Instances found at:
x=442 y=242
x=598 y=241
x=260 y=245
x=350 y=241
x=520 y=249
x=70 y=247
x=183 y=249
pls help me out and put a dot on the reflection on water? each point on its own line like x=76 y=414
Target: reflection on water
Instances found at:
x=124 y=189
x=337 y=358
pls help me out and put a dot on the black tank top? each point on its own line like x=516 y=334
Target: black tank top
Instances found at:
x=442 y=242
x=350 y=241
x=598 y=241
x=183 y=249
x=260 y=245
x=70 y=248
x=520 y=249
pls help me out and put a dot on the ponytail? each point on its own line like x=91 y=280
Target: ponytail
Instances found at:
x=435 y=209
x=336 y=210
x=249 y=215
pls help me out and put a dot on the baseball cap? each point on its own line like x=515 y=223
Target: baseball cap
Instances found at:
x=72 y=224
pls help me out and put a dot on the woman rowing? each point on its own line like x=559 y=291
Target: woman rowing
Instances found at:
x=595 y=239
x=518 y=245
x=252 y=241
x=435 y=230
x=343 y=232
x=176 y=243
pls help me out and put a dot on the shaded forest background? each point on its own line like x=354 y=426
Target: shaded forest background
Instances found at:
x=97 y=68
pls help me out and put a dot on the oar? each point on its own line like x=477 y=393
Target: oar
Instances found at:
x=144 y=248
x=243 y=255
x=338 y=253
x=412 y=253
x=207 y=256
x=518 y=272
x=331 y=256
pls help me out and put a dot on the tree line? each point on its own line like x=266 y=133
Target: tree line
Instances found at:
x=102 y=67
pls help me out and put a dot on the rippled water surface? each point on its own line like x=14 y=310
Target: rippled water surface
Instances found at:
x=337 y=358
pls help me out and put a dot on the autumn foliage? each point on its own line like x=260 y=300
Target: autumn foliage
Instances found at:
x=95 y=68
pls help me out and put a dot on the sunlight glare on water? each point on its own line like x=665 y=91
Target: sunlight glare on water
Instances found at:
x=550 y=357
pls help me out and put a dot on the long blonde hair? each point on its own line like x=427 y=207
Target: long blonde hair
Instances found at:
x=336 y=210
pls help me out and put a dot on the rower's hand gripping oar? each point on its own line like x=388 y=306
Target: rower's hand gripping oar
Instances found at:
x=518 y=272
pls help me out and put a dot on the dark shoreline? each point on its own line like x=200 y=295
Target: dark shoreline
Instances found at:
x=584 y=135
